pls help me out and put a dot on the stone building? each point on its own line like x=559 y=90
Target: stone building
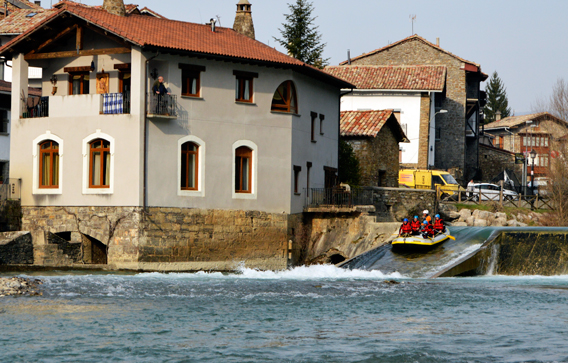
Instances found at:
x=522 y=134
x=243 y=20
x=493 y=161
x=410 y=90
x=374 y=136
x=456 y=132
x=209 y=172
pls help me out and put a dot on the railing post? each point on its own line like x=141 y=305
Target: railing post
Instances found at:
x=459 y=194
x=501 y=193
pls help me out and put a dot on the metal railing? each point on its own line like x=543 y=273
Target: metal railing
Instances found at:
x=162 y=105
x=338 y=197
x=35 y=107
x=10 y=189
x=115 y=103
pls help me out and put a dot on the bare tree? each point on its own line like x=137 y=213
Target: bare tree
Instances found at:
x=557 y=103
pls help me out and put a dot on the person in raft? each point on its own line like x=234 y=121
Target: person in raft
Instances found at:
x=426 y=216
x=439 y=224
x=427 y=230
x=406 y=229
x=415 y=225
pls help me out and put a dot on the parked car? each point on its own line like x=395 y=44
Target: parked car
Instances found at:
x=491 y=192
x=540 y=185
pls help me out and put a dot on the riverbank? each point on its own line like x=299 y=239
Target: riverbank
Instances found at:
x=19 y=286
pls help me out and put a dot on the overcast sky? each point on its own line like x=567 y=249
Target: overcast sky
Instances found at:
x=524 y=41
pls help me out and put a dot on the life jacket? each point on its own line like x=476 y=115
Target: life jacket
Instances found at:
x=416 y=226
x=406 y=228
x=439 y=225
x=428 y=229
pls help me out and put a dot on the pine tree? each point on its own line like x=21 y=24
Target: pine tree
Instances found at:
x=300 y=37
x=349 y=170
x=496 y=99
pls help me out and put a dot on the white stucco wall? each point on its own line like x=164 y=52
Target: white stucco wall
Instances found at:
x=407 y=103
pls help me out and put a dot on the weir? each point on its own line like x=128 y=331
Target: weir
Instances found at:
x=477 y=251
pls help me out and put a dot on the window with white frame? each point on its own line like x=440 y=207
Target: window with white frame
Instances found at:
x=47 y=153
x=98 y=163
x=191 y=161
x=245 y=160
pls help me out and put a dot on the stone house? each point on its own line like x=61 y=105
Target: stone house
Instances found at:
x=374 y=136
x=494 y=161
x=207 y=173
x=408 y=89
x=456 y=131
x=522 y=134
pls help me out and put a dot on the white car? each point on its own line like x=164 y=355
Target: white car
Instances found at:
x=491 y=192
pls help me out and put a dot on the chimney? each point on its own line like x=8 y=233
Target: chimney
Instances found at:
x=115 y=7
x=498 y=116
x=438 y=42
x=243 y=20
x=38 y=3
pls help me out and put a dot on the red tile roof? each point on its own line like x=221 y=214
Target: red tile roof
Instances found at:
x=18 y=21
x=411 y=38
x=367 y=123
x=7 y=87
x=427 y=78
x=148 y=31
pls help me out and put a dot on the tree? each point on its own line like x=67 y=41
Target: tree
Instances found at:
x=496 y=99
x=349 y=171
x=300 y=37
x=557 y=103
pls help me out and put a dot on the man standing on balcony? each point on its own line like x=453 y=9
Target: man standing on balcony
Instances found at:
x=162 y=92
x=159 y=87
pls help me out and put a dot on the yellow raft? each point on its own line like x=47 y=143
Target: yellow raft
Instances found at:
x=417 y=242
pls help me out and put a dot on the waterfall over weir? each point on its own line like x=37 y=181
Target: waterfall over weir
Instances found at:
x=477 y=251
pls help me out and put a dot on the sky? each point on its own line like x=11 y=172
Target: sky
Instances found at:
x=524 y=41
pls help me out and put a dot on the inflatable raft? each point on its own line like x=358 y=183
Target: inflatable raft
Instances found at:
x=418 y=242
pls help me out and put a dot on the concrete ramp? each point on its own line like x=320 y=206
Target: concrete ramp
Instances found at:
x=476 y=251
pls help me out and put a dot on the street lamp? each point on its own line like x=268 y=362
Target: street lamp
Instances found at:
x=430 y=147
x=533 y=156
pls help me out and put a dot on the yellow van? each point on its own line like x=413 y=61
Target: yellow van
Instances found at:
x=428 y=179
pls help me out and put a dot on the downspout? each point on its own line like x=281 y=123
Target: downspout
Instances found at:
x=145 y=178
x=341 y=94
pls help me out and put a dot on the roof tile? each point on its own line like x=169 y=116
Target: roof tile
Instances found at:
x=514 y=121
x=363 y=123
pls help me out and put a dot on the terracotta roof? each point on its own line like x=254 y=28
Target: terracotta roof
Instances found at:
x=14 y=5
x=514 y=121
x=148 y=31
x=145 y=11
x=411 y=38
x=428 y=78
x=368 y=123
x=7 y=87
x=19 y=21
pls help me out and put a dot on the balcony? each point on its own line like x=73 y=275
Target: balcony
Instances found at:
x=162 y=106
x=36 y=107
x=115 y=103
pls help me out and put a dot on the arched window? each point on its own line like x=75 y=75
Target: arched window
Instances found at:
x=49 y=164
x=284 y=99
x=99 y=164
x=189 y=166
x=243 y=170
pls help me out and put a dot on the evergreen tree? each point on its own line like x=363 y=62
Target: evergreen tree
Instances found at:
x=349 y=171
x=496 y=99
x=300 y=37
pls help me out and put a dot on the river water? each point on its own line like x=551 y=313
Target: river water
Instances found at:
x=314 y=314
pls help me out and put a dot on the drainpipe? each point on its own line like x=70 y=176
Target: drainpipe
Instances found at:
x=145 y=178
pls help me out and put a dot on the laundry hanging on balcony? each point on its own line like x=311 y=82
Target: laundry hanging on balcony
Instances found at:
x=113 y=103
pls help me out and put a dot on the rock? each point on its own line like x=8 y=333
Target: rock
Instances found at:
x=470 y=220
x=19 y=286
x=459 y=224
x=483 y=214
x=501 y=215
x=453 y=215
x=512 y=223
x=465 y=214
x=480 y=223
x=499 y=222
x=520 y=224
x=448 y=208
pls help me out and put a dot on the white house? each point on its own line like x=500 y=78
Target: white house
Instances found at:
x=212 y=171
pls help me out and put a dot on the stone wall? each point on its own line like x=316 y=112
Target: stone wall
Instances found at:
x=16 y=248
x=209 y=238
x=10 y=215
x=451 y=149
x=493 y=161
x=424 y=135
x=399 y=203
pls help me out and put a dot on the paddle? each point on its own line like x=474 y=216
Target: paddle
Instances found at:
x=452 y=237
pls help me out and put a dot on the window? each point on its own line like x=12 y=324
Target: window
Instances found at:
x=297 y=170
x=244 y=86
x=313 y=130
x=322 y=117
x=308 y=167
x=99 y=170
x=284 y=99
x=4 y=120
x=79 y=78
x=49 y=164
x=191 y=80
x=189 y=166
x=243 y=169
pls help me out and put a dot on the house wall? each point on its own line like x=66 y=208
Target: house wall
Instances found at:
x=493 y=161
x=410 y=106
x=451 y=149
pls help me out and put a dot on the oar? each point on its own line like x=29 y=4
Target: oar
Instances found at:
x=451 y=237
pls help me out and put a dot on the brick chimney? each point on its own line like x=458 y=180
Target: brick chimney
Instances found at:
x=498 y=116
x=115 y=7
x=243 y=20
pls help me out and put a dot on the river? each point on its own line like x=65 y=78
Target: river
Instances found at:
x=307 y=314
